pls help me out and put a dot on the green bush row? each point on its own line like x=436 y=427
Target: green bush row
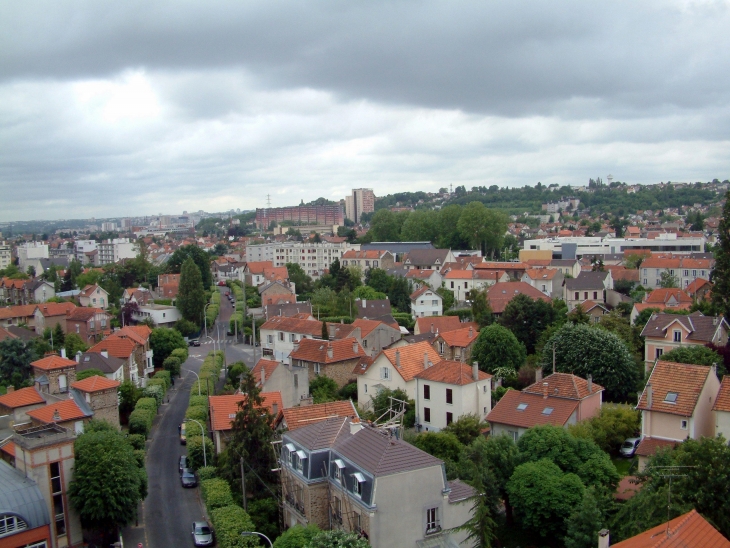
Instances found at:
x=140 y=421
x=164 y=375
x=154 y=391
x=197 y=412
x=180 y=353
x=207 y=472
x=195 y=449
x=147 y=403
x=216 y=493
x=197 y=400
x=229 y=522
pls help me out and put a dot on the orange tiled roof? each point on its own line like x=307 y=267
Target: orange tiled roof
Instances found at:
x=682 y=379
x=696 y=285
x=5 y=334
x=67 y=411
x=722 y=403
x=441 y=324
x=138 y=333
x=689 y=529
x=452 y=372
x=297 y=417
x=460 y=337
x=294 y=325
x=257 y=267
x=95 y=384
x=21 y=398
x=418 y=292
x=412 y=358
x=276 y=273
x=116 y=346
x=317 y=351
x=223 y=409
x=9 y=448
x=19 y=311
x=366 y=254
x=564 y=385
x=56 y=309
x=541 y=273
x=83 y=314
x=53 y=362
x=500 y=294
x=663 y=295
x=267 y=366
x=526 y=410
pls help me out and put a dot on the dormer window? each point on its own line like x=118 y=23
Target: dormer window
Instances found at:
x=677 y=336
x=301 y=456
x=339 y=467
x=671 y=397
x=357 y=484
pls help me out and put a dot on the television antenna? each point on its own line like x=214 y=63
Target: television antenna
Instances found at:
x=671 y=472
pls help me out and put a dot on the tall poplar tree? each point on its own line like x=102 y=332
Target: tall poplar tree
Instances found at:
x=720 y=275
x=191 y=295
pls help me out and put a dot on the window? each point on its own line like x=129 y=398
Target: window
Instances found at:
x=449 y=418
x=366 y=388
x=426 y=391
x=671 y=397
x=270 y=339
x=452 y=285
x=337 y=509
x=435 y=302
x=356 y=519
x=596 y=319
x=385 y=373
x=645 y=281
x=11 y=524
x=317 y=368
x=512 y=434
x=522 y=407
x=426 y=414
x=442 y=347
x=686 y=272
x=91 y=324
x=432 y=521
x=449 y=395
x=62 y=386
x=547 y=411
x=484 y=388
x=677 y=335
x=281 y=336
x=577 y=295
x=103 y=322
x=365 y=343
x=292 y=337
x=358 y=481
x=659 y=352
x=339 y=467
x=296 y=380
x=595 y=295
x=301 y=455
x=77 y=329
x=683 y=424
x=57 y=494
x=694 y=273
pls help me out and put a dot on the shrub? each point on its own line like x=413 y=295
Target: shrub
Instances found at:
x=140 y=421
x=139 y=455
x=196 y=400
x=147 y=403
x=137 y=441
x=165 y=375
x=197 y=412
x=172 y=365
x=216 y=493
x=195 y=451
x=349 y=392
x=207 y=472
x=180 y=353
x=158 y=382
x=229 y=522
x=155 y=392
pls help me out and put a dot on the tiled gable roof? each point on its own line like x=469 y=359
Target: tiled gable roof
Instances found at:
x=294 y=325
x=500 y=294
x=541 y=273
x=115 y=346
x=722 y=403
x=564 y=385
x=439 y=324
x=317 y=351
x=83 y=314
x=267 y=366
x=535 y=410
x=682 y=379
x=5 y=334
x=665 y=295
x=343 y=330
x=697 y=284
x=90 y=290
x=687 y=530
x=95 y=384
x=419 y=274
x=223 y=409
x=21 y=398
x=589 y=305
x=19 y=311
x=366 y=254
x=93 y=360
x=258 y=267
x=412 y=358
x=66 y=410
x=460 y=491
x=138 y=333
x=425 y=289
x=50 y=363
x=452 y=372
x=56 y=309
x=701 y=328
x=648 y=446
x=426 y=256
x=460 y=337
x=298 y=417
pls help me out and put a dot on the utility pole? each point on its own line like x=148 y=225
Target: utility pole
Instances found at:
x=243 y=485
x=253 y=339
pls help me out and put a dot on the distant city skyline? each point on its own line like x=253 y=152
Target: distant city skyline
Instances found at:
x=179 y=107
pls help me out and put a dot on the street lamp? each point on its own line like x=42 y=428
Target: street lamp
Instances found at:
x=205 y=318
x=252 y=533
x=202 y=433
x=194 y=373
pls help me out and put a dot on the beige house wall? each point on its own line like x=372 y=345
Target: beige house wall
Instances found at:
x=368 y=382
x=722 y=424
x=474 y=398
x=282 y=381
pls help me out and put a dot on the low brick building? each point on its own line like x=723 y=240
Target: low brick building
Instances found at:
x=101 y=395
x=333 y=359
x=54 y=374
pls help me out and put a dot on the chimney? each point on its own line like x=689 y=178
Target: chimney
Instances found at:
x=263 y=376
x=78 y=356
x=333 y=331
x=590 y=384
x=545 y=390
x=275 y=409
x=105 y=353
x=431 y=327
x=603 y=539
x=56 y=415
x=471 y=332
x=355 y=425
x=354 y=347
x=538 y=374
x=330 y=352
x=649 y=395
x=63 y=352
x=475 y=371
x=364 y=303
x=10 y=389
x=425 y=360
x=397 y=359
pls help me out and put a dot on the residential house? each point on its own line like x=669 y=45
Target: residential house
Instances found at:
x=432 y=278
x=457 y=344
x=372 y=308
x=53 y=374
x=684 y=269
x=513 y=270
x=589 y=285
x=661 y=299
x=426 y=302
x=24 y=513
x=428 y=259
x=94 y=296
x=448 y=390
x=289 y=381
x=88 y=323
x=665 y=332
x=18 y=292
x=499 y=295
x=168 y=285
x=143 y=353
x=287 y=309
x=595 y=311
x=71 y=413
x=568 y=267
x=366 y=260
x=676 y=404
x=123 y=349
x=587 y=393
x=341 y=474
x=162 y=315
x=700 y=289
x=548 y=280
x=49 y=315
x=17 y=403
x=333 y=359
x=689 y=529
x=253 y=273
x=18 y=315
x=276 y=292
x=101 y=394
x=113 y=368
x=439 y=324
x=306 y=415
x=462 y=282
x=721 y=409
x=375 y=335
x=394 y=368
x=138 y=295
x=223 y=410
x=278 y=335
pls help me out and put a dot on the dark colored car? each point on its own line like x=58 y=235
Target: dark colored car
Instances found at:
x=187 y=478
x=183 y=464
x=202 y=534
x=194 y=342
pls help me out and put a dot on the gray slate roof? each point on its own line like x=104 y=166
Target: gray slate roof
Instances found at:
x=396 y=247
x=22 y=333
x=372 y=308
x=587 y=280
x=94 y=360
x=321 y=435
x=701 y=328
x=287 y=309
x=427 y=256
x=20 y=495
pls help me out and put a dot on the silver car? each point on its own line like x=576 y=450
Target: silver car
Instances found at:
x=628 y=448
x=202 y=534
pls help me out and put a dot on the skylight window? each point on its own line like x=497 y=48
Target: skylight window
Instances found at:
x=547 y=411
x=671 y=397
x=522 y=407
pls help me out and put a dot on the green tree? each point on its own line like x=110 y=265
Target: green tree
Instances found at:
x=695 y=354
x=300 y=279
x=481 y=526
x=584 y=523
x=467 y=428
x=610 y=427
x=368 y=293
x=86 y=373
x=442 y=445
x=527 y=319
x=449 y=236
x=584 y=351
x=378 y=279
x=15 y=358
x=297 y=536
x=107 y=483
x=644 y=316
x=128 y=396
x=163 y=341
x=496 y=347
x=58 y=336
x=544 y=496
x=200 y=257
x=420 y=226
x=385 y=226
x=578 y=316
x=74 y=344
x=399 y=294
x=337 y=538
x=667 y=279
x=383 y=401
x=191 y=293
x=483 y=228
x=323 y=389
x=481 y=311
x=619 y=325
x=447 y=296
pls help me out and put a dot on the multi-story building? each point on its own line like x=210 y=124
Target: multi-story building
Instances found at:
x=5 y=255
x=568 y=247
x=362 y=200
x=339 y=474
x=301 y=215
x=85 y=251
x=112 y=251
x=314 y=258
x=684 y=270
x=31 y=251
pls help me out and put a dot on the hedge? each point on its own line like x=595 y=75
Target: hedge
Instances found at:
x=197 y=412
x=229 y=522
x=139 y=455
x=158 y=382
x=192 y=429
x=180 y=353
x=172 y=366
x=216 y=494
x=140 y=421
x=137 y=441
x=165 y=375
x=197 y=400
x=207 y=472
x=147 y=403
x=155 y=392
x=337 y=319
x=215 y=298
x=195 y=451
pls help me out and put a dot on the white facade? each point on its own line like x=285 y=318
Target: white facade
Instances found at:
x=81 y=247
x=594 y=245
x=160 y=314
x=428 y=303
x=112 y=251
x=5 y=255
x=312 y=257
x=30 y=251
x=277 y=344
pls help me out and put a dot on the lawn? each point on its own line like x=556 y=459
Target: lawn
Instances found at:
x=622 y=465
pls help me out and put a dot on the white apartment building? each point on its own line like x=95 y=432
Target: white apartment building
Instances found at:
x=313 y=258
x=85 y=251
x=29 y=252
x=5 y=255
x=112 y=251
x=569 y=246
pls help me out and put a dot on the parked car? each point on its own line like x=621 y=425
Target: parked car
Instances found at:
x=183 y=463
x=202 y=534
x=187 y=478
x=222 y=283
x=194 y=342
x=628 y=448
x=181 y=430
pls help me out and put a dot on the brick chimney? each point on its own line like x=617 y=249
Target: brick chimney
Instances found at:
x=649 y=395
x=471 y=332
x=330 y=351
x=56 y=415
x=263 y=376
x=10 y=389
x=545 y=386
x=355 y=425
x=538 y=374
x=397 y=359
x=63 y=352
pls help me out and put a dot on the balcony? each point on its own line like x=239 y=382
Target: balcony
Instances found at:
x=295 y=504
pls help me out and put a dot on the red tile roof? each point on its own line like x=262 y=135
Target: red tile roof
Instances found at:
x=541 y=273
x=267 y=366
x=56 y=309
x=365 y=254
x=115 y=346
x=413 y=358
x=20 y=311
x=138 y=333
x=687 y=530
x=685 y=380
x=564 y=385
x=648 y=446
x=664 y=295
x=95 y=384
x=418 y=292
x=297 y=417
x=223 y=409
x=294 y=325
x=9 y=448
x=452 y=372
x=722 y=402
x=460 y=337
x=697 y=284
x=535 y=406
x=67 y=411
x=5 y=334
x=84 y=314
x=257 y=267
x=21 y=398
x=53 y=362
x=500 y=294
x=438 y=323
x=318 y=351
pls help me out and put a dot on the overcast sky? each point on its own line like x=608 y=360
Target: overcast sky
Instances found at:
x=139 y=107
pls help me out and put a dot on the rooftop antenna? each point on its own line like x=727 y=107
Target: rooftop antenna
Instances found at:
x=671 y=473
